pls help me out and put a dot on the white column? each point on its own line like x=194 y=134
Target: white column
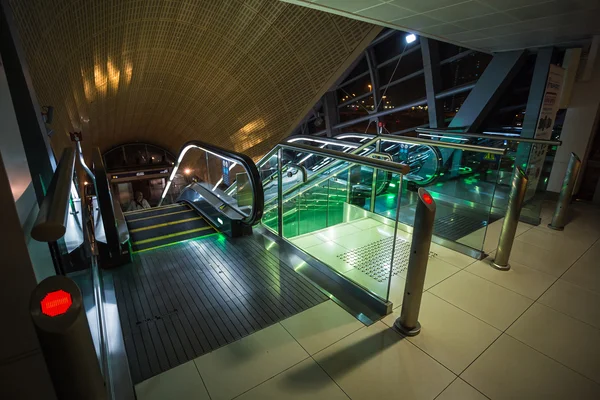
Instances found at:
x=579 y=126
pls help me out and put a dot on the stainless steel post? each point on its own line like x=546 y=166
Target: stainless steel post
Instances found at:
x=558 y=219
x=280 y=192
x=408 y=323
x=374 y=182
x=511 y=220
x=56 y=308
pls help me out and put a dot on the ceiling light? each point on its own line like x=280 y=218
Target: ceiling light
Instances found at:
x=410 y=38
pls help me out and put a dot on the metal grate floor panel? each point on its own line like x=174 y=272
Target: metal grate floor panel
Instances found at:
x=455 y=226
x=179 y=302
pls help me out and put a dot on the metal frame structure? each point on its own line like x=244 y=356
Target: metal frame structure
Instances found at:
x=431 y=71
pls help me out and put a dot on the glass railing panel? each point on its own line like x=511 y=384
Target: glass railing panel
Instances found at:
x=328 y=217
x=217 y=173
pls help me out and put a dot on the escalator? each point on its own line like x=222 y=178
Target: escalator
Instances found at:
x=165 y=225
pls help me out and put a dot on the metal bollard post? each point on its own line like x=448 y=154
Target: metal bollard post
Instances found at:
x=566 y=191
x=511 y=220
x=56 y=308
x=408 y=323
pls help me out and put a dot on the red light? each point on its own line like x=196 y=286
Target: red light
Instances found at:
x=56 y=303
x=427 y=198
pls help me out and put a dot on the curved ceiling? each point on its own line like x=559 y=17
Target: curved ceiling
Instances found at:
x=236 y=73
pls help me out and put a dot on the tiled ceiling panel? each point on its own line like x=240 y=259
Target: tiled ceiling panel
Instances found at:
x=236 y=73
x=487 y=25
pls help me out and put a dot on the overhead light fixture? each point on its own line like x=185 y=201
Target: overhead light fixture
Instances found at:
x=410 y=38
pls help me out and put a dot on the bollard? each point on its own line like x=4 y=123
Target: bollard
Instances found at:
x=511 y=220
x=408 y=323
x=56 y=308
x=566 y=191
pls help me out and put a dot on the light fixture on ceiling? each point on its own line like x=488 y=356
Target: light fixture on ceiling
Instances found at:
x=410 y=38
x=187 y=171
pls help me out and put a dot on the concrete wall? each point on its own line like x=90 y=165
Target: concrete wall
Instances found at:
x=579 y=127
x=23 y=373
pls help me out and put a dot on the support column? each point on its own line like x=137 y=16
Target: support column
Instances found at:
x=433 y=81
x=374 y=75
x=332 y=117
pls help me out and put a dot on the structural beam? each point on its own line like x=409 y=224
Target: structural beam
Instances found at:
x=492 y=84
x=331 y=113
x=38 y=152
x=433 y=81
x=536 y=91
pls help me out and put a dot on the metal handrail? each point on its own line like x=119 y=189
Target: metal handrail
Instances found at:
x=51 y=222
x=427 y=142
x=324 y=141
x=499 y=136
x=388 y=166
x=241 y=159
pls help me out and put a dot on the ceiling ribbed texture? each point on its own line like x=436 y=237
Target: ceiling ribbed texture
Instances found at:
x=236 y=73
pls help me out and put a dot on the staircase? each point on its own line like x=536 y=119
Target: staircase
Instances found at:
x=160 y=226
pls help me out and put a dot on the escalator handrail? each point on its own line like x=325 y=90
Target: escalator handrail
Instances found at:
x=428 y=142
x=246 y=162
x=498 y=136
x=106 y=204
x=388 y=166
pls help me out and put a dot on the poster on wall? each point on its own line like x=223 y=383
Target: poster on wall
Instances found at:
x=543 y=130
x=226 y=172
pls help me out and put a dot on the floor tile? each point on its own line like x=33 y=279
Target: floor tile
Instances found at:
x=305 y=241
x=305 y=381
x=320 y=326
x=397 y=291
x=379 y=288
x=365 y=223
x=487 y=301
x=585 y=271
x=460 y=390
x=377 y=363
x=182 y=382
x=437 y=271
x=450 y=256
x=510 y=369
x=448 y=334
x=336 y=232
x=554 y=262
x=328 y=253
x=575 y=301
x=550 y=239
x=492 y=234
x=239 y=366
x=519 y=278
x=565 y=339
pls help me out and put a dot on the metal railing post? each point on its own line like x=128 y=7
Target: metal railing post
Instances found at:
x=374 y=182
x=280 y=192
x=57 y=311
x=566 y=192
x=511 y=220
x=408 y=323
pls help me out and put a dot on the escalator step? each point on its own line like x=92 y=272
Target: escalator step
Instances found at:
x=152 y=212
x=172 y=238
x=167 y=228
x=161 y=219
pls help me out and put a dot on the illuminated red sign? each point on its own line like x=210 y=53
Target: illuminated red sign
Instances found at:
x=427 y=198
x=56 y=303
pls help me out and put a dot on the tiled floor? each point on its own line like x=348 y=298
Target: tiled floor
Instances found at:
x=327 y=244
x=529 y=333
